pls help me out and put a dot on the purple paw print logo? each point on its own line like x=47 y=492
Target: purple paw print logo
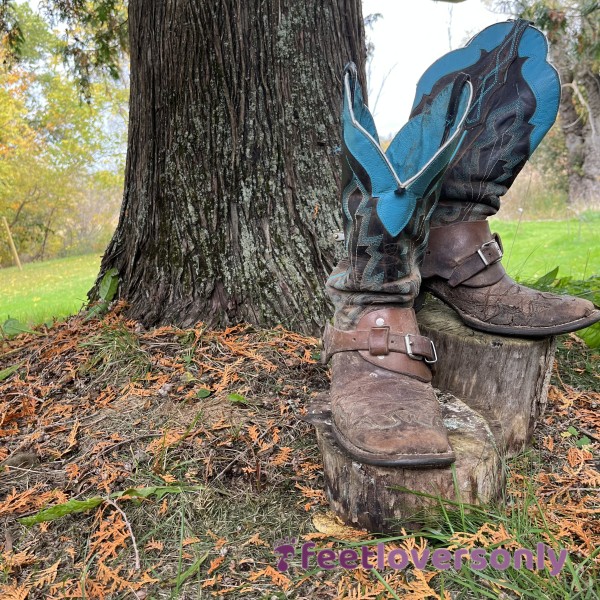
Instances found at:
x=286 y=548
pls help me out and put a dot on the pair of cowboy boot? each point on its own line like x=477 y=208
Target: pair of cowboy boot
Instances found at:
x=478 y=115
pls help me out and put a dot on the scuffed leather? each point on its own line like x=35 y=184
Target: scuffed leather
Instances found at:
x=452 y=246
x=384 y=338
x=508 y=307
x=385 y=415
x=383 y=408
x=490 y=300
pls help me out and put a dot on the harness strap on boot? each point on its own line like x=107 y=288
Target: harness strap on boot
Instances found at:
x=487 y=254
x=464 y=253
x=388 y=339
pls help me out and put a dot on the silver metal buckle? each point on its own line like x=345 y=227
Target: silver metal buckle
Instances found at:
x=408 y=345
x=435 y=357
x=483 y=258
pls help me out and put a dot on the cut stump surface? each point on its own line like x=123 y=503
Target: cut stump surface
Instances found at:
x=505 y=379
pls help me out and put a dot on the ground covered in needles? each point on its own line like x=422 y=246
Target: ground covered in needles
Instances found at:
x=168 y=463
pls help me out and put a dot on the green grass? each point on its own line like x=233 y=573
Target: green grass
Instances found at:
x=57 y=288
x=48 y=290
x=525 y=523
x=533 y=248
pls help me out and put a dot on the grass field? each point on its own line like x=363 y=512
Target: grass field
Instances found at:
x=46 y=290
x=533 y=248
x=57 y=288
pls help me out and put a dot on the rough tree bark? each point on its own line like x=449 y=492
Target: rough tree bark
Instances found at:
x=231 y=188
x=580 y=122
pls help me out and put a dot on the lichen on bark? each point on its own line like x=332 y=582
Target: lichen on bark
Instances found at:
x=231 y=193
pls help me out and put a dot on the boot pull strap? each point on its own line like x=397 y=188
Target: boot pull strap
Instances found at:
x=453 y=104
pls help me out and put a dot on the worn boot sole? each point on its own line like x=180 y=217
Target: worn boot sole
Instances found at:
x=519 y=330
x=407 y=461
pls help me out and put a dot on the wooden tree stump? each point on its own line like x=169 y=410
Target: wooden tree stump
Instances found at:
x=502 y=383
x=505 y=379
x=364 y=495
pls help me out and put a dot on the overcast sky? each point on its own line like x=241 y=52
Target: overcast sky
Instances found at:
x=410 y=36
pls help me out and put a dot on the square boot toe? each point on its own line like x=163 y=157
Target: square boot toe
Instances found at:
x=385 y=413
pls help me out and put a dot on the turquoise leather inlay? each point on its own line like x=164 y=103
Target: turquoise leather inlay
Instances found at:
x=456 y=60
x=544 y=81
x=416 y=156
x=540 y=76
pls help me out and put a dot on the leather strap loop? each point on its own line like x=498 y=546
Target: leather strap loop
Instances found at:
x=378 y=341
x=487 y=254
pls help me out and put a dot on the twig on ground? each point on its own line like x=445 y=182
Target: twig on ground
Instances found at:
x=121 y=443
x=589 y=433
x=237 y=457
x=128 y=525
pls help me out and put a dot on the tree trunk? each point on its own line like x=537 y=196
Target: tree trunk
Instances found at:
x=504 y=378
x=580 y=121
x=231 y=188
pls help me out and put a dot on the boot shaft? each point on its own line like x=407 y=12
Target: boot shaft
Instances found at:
x=388 y=197
x=516 y=99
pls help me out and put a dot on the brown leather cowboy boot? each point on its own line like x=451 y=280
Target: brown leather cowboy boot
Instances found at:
x=516 y=100
x=462 y=267
x=384 y=410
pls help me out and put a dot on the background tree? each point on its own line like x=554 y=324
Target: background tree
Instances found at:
x=58 y=167
x=573 y=28
x=231 y=183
